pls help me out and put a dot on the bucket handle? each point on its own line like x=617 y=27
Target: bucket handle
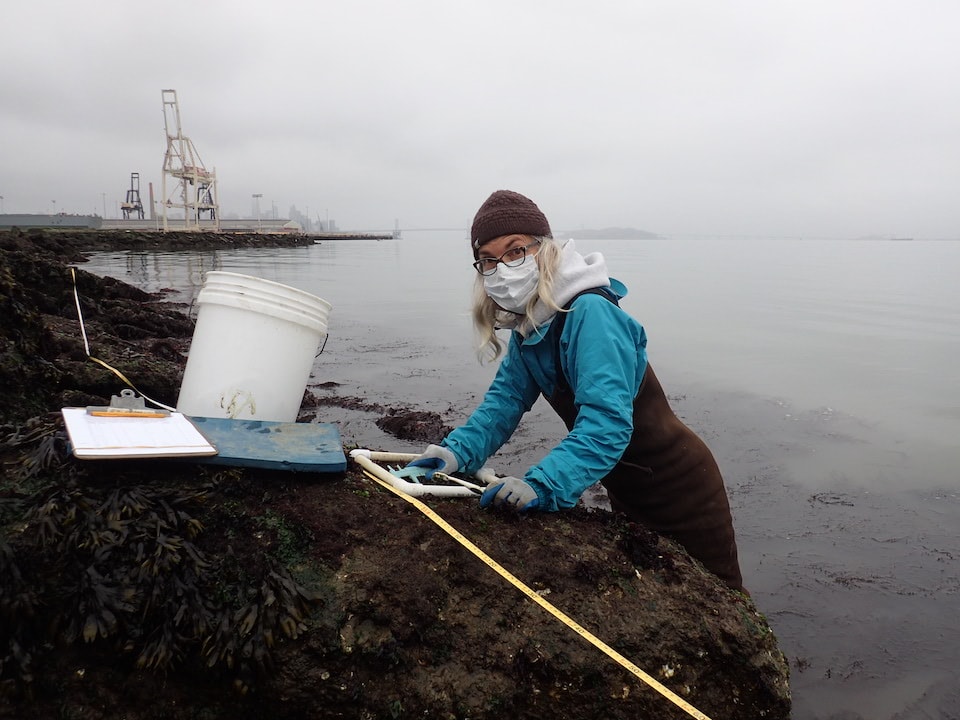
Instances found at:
x=325 y=338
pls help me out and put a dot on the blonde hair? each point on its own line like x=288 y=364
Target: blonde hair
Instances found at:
x=488 y=316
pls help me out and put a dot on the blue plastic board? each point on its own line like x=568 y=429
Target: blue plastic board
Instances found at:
x=303 y=447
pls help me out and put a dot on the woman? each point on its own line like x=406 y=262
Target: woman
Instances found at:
x=571 y=342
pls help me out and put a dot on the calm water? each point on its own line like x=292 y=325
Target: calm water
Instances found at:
x=822 y=373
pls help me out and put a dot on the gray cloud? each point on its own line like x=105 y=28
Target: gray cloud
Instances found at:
x=746 y=117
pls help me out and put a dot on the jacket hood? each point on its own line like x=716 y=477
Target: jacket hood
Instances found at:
x=575 y=274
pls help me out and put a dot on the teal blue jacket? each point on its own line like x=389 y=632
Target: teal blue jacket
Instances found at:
x=603 y=357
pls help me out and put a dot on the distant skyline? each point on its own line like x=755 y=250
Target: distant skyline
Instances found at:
x=685 y=117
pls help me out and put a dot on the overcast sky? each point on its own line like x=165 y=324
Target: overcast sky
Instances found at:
x=813 y=118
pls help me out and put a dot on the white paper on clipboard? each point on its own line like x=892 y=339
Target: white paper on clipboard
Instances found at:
x=102 y=438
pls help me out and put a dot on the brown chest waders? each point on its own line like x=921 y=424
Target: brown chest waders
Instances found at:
x=667 y=479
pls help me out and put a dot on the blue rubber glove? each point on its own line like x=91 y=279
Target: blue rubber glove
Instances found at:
x=511 y=492
x=436 y=458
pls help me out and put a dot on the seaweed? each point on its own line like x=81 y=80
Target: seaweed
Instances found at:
x=96 y=561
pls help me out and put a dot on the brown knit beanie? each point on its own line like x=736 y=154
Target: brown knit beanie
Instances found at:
x=505 y=213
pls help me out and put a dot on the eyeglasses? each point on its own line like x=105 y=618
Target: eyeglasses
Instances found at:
x=511 y=258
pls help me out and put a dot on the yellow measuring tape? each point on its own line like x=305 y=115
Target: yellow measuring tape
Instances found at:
x=530 y=593
x=86 y=346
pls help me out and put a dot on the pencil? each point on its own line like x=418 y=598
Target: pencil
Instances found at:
x=126 y=414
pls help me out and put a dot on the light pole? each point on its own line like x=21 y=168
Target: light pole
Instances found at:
x=1 y=204
x=104 y=195
x=256 y=202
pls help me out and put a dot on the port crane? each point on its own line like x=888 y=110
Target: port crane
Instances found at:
x=194 y=188
x=133 y=203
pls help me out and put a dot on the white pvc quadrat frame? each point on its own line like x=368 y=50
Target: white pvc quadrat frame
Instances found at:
x=370 y=461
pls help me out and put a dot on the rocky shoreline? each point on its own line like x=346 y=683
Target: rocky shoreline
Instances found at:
x=171 y=589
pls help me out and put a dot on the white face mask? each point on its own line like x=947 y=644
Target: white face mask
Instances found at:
x=512 y=287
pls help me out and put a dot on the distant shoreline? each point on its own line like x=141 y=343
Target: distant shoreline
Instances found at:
x=610 y=233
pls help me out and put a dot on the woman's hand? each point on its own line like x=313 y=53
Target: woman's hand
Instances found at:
x=512 y=492
x=436 y=458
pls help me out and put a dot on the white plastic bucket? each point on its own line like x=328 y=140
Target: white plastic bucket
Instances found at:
x=253 y=349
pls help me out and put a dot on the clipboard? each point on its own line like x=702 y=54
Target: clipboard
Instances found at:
x=106 y=437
